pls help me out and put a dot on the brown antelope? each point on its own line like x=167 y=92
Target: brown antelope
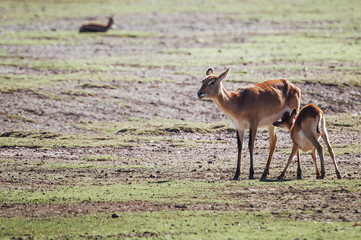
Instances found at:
x=94 y=27
x=306 y=131
x=251 y=107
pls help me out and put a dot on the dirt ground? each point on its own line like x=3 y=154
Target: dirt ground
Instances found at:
x=212 y=161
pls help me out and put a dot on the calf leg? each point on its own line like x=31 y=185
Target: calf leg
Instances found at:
x=319 y=149
x=272 y=146
x=295 y=149
x=318 y=176
x=329 y=148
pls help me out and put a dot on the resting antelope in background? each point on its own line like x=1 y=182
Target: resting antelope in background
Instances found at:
x=306 y=131
x=94 y=27
x=252 y=107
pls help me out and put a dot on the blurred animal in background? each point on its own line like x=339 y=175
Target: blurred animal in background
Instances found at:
x=94 y=27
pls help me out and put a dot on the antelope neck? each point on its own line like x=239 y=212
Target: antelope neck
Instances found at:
x=222 y=99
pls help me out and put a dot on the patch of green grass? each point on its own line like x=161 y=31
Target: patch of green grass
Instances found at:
x=69 y=37
x=72 y=166
x=4 y=160
x=14 y=82
x=295 y=48
x=158 y=192
x=130 y=34
x=51 y=140
x=79 y=93
x=336 y=79
x=344 y=122
x=55 y=64
x=30 y=134
x=279 y=11
x=178 y=225
x=91 y=85
x=20 y=118
x=268 y=50
x=37 y=37
x=102 y=158
x=94 y=162
x=155 y=126
x=99 y=64
x=179 y=192
x=131 y=138
x=3 y=53
x=341 y=149
x=121 y=104
x=317 y=94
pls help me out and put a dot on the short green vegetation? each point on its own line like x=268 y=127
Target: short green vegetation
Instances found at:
x=155 y=126
x=344 y=122
x=68 y=37
x=176 y=225
x=50 y=140
x=113 y=134
x=108 y=163
x=289 y=11
x=163 y=191
x=82 y=80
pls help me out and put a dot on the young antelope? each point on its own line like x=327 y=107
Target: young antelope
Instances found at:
x=306 y=129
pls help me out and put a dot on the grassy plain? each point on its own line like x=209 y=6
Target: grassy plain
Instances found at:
x=101 y=135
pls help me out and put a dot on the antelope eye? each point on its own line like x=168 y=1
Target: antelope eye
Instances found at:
x=212 y=83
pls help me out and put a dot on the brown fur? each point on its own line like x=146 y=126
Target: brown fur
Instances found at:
x=252 y=107
x=94 y=27
x=305 y=133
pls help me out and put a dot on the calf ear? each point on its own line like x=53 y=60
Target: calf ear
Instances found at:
x=209 y=71
x=277 y=123
x=223 y=75
x=293 y=113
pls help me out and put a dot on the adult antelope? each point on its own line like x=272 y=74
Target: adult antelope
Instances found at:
x=94 y=27
x=306 y=130
x=251 y=107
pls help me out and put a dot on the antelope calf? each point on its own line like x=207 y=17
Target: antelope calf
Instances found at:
x=306 y=131
x=94 y=27
x=251 y=107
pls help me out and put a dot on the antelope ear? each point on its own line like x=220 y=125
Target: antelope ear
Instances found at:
x=293 y=113
x=277 y=123
x=209 y=71
x=223 y=75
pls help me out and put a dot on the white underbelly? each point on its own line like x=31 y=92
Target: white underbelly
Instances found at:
x=269 y=120
x=243 y=124
x=239 y=124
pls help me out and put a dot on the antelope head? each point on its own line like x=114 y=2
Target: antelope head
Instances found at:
x=211 y=84
x=287 y=120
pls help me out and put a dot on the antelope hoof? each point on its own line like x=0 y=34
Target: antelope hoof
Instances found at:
x=235 y=178
x=318 y=177
x=280 y=177
x=264 y=176
x=299 y=177
x=322 y=175
x=338 y=175
x=251 y=173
